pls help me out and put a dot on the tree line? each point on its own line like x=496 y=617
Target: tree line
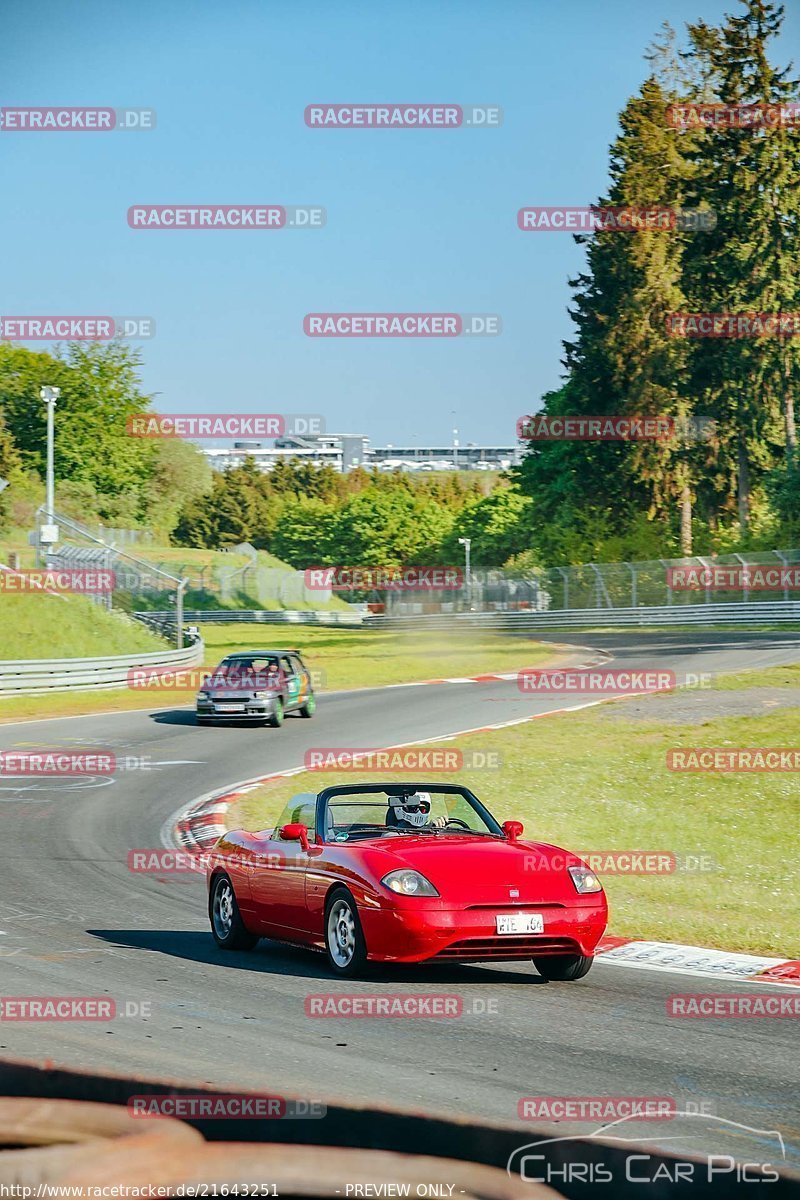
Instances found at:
x=728 y=477
x=303 y=514
x=311 y=515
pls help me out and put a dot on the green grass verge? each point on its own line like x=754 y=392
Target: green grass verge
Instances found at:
x=780 y=677
x=344 y=658
x=36 y=625
x=351 y=658
x=594 y=780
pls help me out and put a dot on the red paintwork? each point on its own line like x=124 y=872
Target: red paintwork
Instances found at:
x=281 y=892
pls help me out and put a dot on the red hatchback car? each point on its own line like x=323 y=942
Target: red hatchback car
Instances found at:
x=405 y=873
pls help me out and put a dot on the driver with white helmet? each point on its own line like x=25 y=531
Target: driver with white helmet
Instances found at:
x=413 y=811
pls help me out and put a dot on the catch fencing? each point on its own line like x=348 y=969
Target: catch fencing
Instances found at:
x=645 y=584
x=767 y=612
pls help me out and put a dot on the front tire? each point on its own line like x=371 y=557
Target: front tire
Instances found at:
x=227 y=926
x=275 y=719
x=563 y=968
x=344 y=937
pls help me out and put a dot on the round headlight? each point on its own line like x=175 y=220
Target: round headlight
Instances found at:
x=409 y=883
x=585 y=880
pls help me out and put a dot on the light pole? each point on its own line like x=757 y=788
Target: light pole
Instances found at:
x=466 y=543
x=48 y=533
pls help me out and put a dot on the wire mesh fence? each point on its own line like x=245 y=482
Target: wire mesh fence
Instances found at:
x=718 y=579
x=245 y=583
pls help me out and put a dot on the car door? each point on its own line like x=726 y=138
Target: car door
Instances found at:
x=304 y=675
x=278 y=879
x=293 y=681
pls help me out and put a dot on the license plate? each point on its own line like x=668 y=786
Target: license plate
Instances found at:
x=222 y=704
x=520 y=923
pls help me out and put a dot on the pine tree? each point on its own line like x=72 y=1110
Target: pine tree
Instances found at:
x=748 y=176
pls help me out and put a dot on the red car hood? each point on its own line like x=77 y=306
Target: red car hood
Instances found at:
x=482 y=870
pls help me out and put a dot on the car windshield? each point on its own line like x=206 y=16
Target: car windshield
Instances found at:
x=427 y=812
x=254 y=669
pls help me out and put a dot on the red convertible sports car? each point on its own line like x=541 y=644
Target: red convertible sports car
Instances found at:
x=405 y=873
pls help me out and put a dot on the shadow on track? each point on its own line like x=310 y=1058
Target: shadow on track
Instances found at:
x=176 y=716
x=186 y=717
x=275 y=958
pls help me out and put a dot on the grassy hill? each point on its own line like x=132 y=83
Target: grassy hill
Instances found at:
x=43 y=626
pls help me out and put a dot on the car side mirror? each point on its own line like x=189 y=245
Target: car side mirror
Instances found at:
x=296 y=833
x=206 y=679
x=513 y=830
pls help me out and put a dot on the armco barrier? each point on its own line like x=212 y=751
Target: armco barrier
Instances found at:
x=31 y=677
x=735 y=613
x=227 y=616
x=750 y=613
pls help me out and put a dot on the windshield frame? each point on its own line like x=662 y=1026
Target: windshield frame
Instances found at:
x=354 y=789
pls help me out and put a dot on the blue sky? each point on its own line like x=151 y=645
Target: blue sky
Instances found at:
x=416 y=220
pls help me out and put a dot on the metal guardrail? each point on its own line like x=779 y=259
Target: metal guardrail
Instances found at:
x=229 y=616
x=732 y=613
x=35 y=676
x=30 y=677
x=751 y=613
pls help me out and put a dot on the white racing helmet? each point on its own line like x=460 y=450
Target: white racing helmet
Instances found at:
x=411 y=810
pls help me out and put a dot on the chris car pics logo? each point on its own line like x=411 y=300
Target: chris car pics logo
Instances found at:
x=619 y=1157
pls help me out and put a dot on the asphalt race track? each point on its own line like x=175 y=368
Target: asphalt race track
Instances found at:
x=75 y=922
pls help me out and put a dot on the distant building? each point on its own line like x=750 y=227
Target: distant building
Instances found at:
x=444 y=458
x=346 y=451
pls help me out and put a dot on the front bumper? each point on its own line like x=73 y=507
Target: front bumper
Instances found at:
x=238 y=710
x=470 y=934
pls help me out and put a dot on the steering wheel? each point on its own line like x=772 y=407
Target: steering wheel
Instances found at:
x=457 y=821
